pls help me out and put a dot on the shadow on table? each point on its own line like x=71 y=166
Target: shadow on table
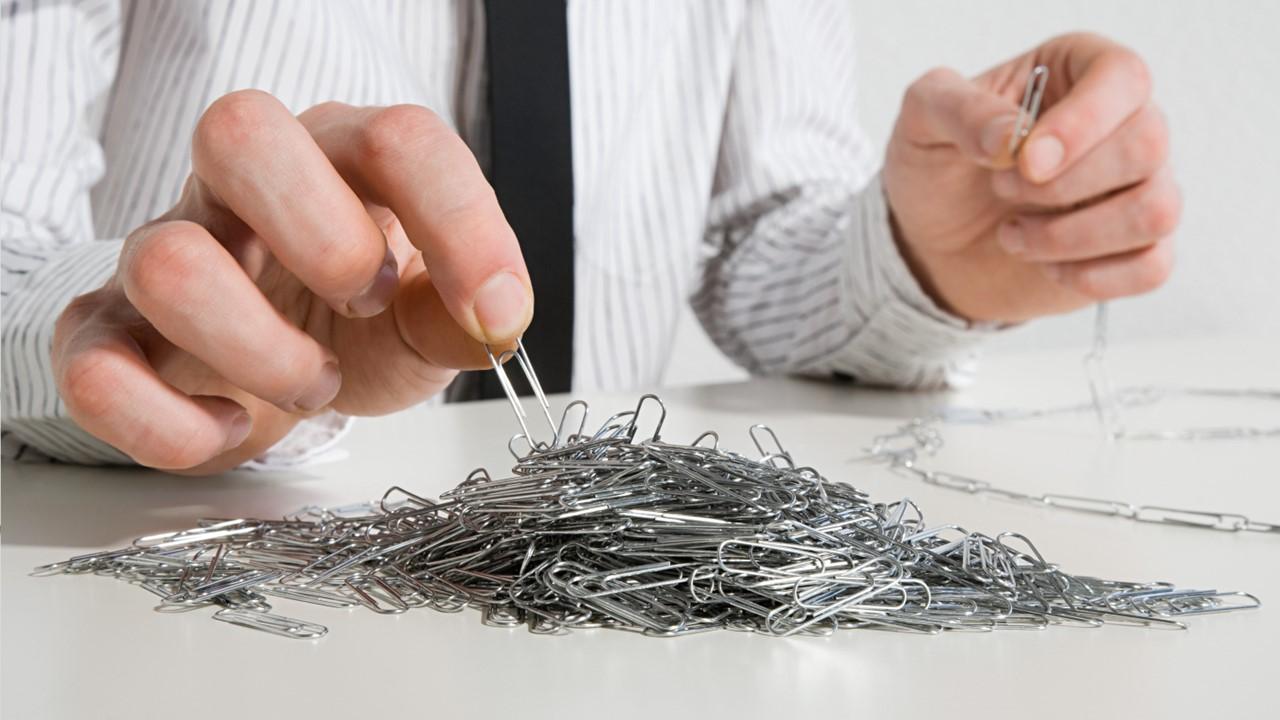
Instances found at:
x=765 y=397
x=71 y=506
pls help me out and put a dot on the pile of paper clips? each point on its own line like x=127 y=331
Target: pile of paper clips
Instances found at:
x=619 y=528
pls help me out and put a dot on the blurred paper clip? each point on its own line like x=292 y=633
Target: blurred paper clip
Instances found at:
x=1032 y=95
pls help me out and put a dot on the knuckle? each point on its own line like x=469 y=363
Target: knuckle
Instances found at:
x=936 y=75
x=1078 y=37
x=86 y=384
x=932 y=77
x=1160 y=211
x=1132 y=65
x=325 y=109
x=1153 y=269
x=1087 y=284
x=163 y=263
x=392 y=129
x=920 y=91
x=234 y=119
x=1150 y=147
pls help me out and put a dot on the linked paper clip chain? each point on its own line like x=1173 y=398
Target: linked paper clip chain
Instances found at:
x=903 y=449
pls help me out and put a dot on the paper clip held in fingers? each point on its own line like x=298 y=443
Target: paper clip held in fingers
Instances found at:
x=1029 y=110
x=521 y=356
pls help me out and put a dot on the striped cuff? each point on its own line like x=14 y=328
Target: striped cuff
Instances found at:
x=311 y=442
x=906 y=340
x=33 y=411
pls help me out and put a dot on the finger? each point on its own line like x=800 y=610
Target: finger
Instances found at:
x=422 y=320
x=195 y=294
x=1107 y=84
x=425 y=323
x=1133 y=153
x=1129 y=220
x=417 y=342
x=113 y=394
x=1116 y=276
x=406 y=158
x=944 y=107
x=258 y=161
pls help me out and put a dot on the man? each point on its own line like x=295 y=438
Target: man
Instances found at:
x=350 y=259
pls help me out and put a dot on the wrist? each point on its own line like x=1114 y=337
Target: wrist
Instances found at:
x=921 y=269
x=964 y=284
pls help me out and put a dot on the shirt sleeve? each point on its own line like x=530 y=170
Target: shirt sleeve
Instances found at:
x=59 y=63
x=802 y=272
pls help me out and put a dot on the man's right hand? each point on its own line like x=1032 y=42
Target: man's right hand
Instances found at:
x=348 y=258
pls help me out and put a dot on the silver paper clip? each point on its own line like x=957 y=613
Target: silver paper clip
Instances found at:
x=1029 y=110
x=521 y=356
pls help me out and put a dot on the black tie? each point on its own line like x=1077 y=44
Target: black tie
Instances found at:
x=531 y=169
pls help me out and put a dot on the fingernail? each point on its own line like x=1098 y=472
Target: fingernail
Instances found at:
x=1005 y=184
x=322 y=391
x=378 y=295
x=238 y=430
x=1044 y=155
x=995 y=136
x=502 y=306
x=1011 y=237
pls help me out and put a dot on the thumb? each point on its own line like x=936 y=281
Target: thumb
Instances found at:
x=951 y=109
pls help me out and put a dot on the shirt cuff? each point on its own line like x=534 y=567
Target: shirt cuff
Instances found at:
x=36 y=423
x=311 y=442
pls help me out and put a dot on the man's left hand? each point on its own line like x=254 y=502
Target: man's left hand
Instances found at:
x=1084 y=212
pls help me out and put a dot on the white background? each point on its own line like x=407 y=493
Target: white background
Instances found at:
x=1217 y=73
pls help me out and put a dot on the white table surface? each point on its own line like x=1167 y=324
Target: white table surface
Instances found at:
x=91 y=647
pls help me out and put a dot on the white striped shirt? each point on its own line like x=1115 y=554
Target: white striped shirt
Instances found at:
x=717 y=160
